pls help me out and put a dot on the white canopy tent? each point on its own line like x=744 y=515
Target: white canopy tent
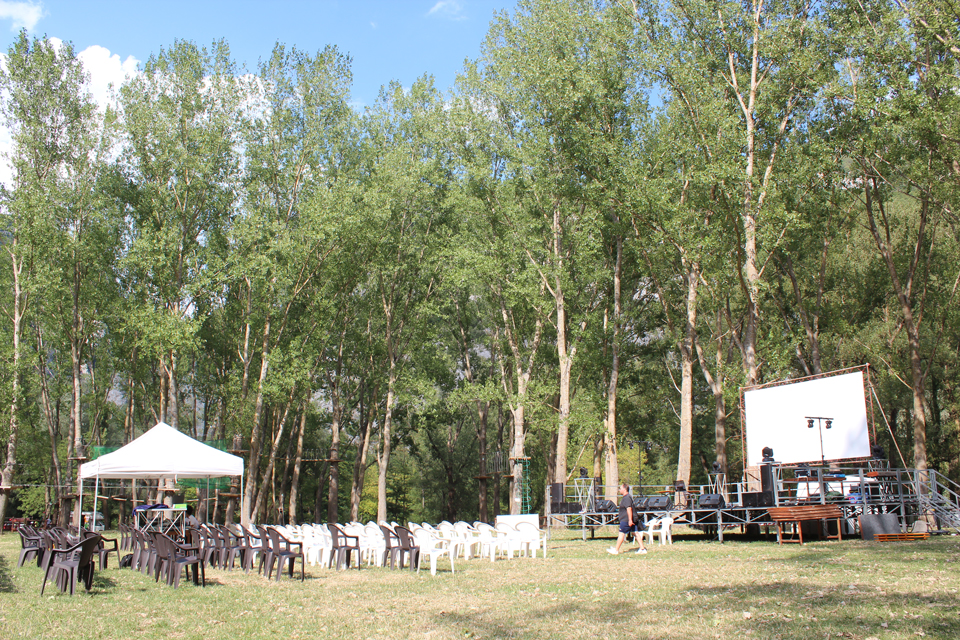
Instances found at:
x=162 y=453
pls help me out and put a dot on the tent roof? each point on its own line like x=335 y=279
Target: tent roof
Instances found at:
x=164 y=452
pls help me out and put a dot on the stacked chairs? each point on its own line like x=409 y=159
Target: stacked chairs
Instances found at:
x=661 y=526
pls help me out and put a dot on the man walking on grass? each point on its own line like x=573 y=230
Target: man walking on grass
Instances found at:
x=627 y=523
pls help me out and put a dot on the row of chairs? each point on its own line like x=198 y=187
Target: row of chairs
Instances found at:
x=218 y=546
x=340 y=545
x=334 y=545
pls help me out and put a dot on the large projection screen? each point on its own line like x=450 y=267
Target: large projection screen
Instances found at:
x=776 y=417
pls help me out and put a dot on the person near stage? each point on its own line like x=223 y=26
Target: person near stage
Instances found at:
x=191 y=520
x=627 y=523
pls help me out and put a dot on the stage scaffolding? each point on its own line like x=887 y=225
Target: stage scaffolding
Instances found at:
x=910 y=494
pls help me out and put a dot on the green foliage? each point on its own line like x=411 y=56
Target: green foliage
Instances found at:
x=227 y=249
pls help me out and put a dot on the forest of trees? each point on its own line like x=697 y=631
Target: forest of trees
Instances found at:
x=622 y=213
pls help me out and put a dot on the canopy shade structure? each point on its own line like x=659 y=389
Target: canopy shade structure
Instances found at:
x=164 y=452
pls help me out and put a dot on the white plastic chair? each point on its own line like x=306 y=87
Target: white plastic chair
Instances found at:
x=664 y=524
x=508 y=540
x=318 y=545
x=374 y=544
x=532 y=538
x=449 y=533
x=487 y=539
x=470 y=538
x=434 y=547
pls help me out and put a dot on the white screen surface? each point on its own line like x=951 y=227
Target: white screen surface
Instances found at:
x=776 y=417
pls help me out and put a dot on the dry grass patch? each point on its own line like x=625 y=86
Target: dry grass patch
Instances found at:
x=694 y=588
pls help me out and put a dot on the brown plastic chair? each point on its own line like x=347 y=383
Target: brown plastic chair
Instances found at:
x=392 y=547
x=107 y=546
x=266 y=551
x=30 y=547
x=172 y=557
x=283 y=551
x=342 y=547
x=232 y=547
x=68 y=566
x=408 y=547
x=249 y=549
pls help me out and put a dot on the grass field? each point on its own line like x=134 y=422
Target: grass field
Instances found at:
x=693 y=589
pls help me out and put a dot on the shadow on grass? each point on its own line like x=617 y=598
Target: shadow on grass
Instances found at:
x=792 y=610
x=6 y=581
x=780 y=609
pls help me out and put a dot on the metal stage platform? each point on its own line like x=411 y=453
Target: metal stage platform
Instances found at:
x=910 y=494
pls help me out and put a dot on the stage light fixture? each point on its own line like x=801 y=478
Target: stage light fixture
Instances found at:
x=767 y=454
x=717 y=467
x=583 y=472
x=810 y=423
x=828 y=424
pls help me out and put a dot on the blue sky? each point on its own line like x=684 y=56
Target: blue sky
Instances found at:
x=387 y=39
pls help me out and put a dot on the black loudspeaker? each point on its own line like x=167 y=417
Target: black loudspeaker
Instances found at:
x=565 y=507
x=659 y=503
x=766 y=478
x=711 y=501
x=556 y=492
x=640 y=504
x=606 y=506
x=757 y=499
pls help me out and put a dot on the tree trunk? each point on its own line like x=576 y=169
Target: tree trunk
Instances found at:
x=256 y=433
x=564 y=356
x=272 y=459
x=297 y=461
x=19 y=308
x=333 y=489
x=611 y=463
x=687 y=345
x=51 y=420
x=904 y=292
x=483 y=409
x=383 y=459
x=360 y=462
x=716 y=387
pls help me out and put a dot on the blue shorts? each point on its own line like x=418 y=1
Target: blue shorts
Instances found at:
x=626 y=528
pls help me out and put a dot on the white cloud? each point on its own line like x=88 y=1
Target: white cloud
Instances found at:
x=449 y=9
x=23 y=14
x=105 y=69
